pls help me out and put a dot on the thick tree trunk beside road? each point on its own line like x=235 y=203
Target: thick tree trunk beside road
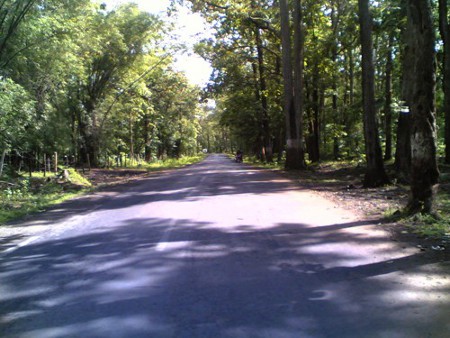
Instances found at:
x=295 y=158
x=424 y=171
x=375 y=173
x=444 y=27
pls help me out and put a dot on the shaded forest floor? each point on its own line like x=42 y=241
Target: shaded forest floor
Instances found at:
x=342 y=183
x=102 y=177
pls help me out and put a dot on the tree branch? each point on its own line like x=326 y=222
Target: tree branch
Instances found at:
x=214 y=5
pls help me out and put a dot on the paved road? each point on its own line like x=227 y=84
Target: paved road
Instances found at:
x=217 y=249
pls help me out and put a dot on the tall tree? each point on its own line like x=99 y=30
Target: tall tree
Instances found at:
x=388 y=99
x=425 y=173
x=375 y=172
x=121 y=40
x=444 y=28
x=241 y=53
x=293 y=84
x=403 y=143
x=267 y=148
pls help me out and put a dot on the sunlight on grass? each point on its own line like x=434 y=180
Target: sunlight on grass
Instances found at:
x=28 y=194
x=16 y=205
x=428 y=226
x=25 y=194
x=173 y=163
x=432 y=226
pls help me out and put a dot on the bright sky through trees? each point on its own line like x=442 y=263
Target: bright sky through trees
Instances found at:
x=190 y=28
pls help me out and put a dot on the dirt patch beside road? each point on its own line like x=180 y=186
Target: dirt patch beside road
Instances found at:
x=102 y=177
x=343 y=186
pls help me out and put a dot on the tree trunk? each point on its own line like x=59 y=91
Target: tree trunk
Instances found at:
x=349 y=102
x=424 y=169
x=314 y=133
x=388 y=100
x=334 y=56
x=375 y=173
x=294 y=145
x=131 y=131
x=267 y=138
x=403 y=148
x=147 y=147
x=298 y=80
x=2 y=162
x=444 y=28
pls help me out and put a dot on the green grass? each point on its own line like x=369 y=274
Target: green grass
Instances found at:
x=253 y=160
x=24 y=195
x=27 y=194
x=173 y=163
x=428 y=225
x=436 y=225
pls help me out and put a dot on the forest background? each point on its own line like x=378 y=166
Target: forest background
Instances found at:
x=294 y=82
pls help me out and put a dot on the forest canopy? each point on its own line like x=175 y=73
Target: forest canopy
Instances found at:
x=298 y=81
x=302 y=81
x=91 y=83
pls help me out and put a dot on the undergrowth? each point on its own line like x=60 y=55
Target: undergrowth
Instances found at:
x=21 y=194
x=425 y=225
x=434 y=226
x=173 y=163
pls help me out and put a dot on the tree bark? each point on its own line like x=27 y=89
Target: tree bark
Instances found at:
x=444 y=28
x=313 y=145
x=294 y=143
x=388 y=100
x=424 y=169
x=334 y=56
x=267 y=138
x=147 y=140
x=375 y=173
x=298 y=80
x=403 y=147
x=2 y=162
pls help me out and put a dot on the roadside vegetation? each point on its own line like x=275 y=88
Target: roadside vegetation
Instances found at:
x=22 y=194
x=342 y=182
x=436 y=225
x=297 y=84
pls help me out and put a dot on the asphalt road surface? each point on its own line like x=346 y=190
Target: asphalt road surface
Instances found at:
x=217 y=249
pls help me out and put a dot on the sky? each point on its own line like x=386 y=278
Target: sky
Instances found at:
x=191 y=27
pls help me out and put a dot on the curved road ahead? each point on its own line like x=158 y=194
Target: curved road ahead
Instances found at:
x=217 y=249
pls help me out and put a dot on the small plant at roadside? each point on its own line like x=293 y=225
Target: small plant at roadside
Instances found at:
x=25 y=194
x=428 y=225
x=436 y=225
x=173 y=163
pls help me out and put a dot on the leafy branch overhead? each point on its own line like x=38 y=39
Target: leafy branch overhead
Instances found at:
x=293 y=81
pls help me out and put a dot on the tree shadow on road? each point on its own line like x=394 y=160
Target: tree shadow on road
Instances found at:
x=182 y=278
x=186 y=184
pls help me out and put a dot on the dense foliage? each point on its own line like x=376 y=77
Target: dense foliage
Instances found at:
x=355 y=68
x=293 y=80
x=92 y=84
